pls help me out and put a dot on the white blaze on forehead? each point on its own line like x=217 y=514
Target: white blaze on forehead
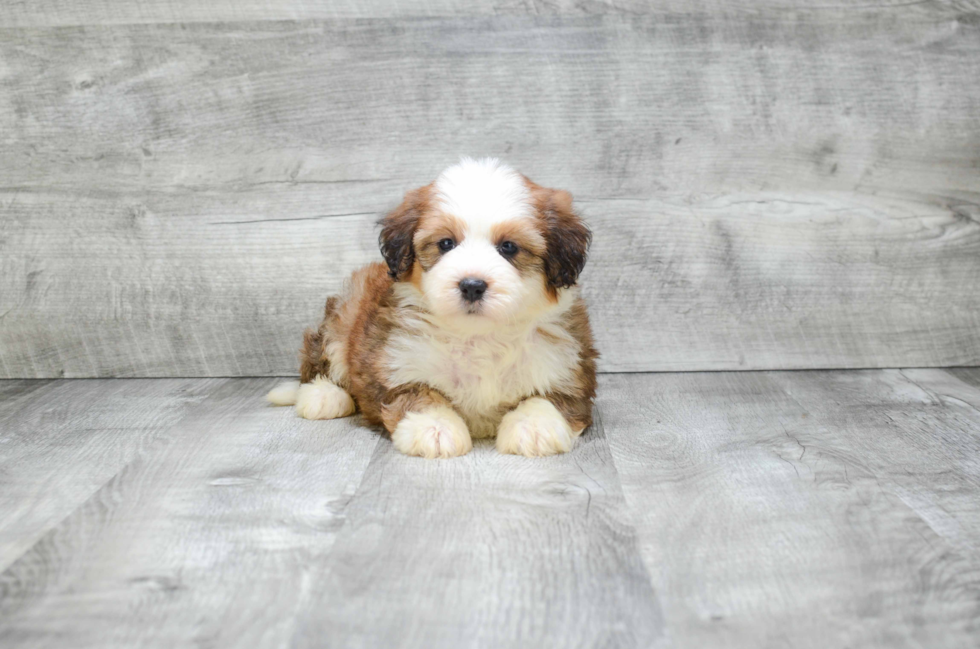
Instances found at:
x=481 y=193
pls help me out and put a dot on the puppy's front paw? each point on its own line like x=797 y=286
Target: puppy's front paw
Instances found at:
x=321 y=399
x=534 y=428
x=433 y=432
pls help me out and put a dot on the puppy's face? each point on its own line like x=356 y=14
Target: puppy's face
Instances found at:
x=484 y=244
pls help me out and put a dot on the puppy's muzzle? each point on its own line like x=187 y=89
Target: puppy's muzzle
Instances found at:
x=472 y=289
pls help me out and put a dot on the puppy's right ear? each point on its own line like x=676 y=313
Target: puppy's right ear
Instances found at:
x=398 y=229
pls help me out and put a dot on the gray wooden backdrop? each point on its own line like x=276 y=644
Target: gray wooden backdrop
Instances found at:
x=774 y=184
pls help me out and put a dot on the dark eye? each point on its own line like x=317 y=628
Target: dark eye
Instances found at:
x=446 y=245
x=508 y=248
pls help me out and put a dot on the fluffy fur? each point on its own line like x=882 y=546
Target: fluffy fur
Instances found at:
x=437 y=370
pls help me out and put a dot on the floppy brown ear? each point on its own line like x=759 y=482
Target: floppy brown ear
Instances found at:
x=566 y=235
x=397 y=230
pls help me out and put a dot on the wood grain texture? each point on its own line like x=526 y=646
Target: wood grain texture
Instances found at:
x=209 y=540
x=61 y=441
x=486 y=550
x=774 y=190
x=804 y=509
x=50 y=13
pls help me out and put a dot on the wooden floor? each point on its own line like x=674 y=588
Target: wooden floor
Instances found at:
x=756 y=509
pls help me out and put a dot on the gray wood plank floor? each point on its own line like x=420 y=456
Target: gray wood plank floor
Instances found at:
x=759 y=509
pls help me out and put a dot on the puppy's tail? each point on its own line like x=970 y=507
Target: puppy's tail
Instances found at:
x=284 y=394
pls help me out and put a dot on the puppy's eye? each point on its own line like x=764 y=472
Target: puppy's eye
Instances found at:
x=446 y=245
x=508 y=248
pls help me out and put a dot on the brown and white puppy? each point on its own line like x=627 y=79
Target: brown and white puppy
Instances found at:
x=474 y=327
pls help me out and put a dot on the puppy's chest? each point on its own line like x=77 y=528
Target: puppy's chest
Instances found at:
x=480 y=373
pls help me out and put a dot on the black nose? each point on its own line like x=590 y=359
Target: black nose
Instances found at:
x=472 y=289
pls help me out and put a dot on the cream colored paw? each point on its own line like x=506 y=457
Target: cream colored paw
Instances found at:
x=321 y=399
x=434 y=432
x=535 y=428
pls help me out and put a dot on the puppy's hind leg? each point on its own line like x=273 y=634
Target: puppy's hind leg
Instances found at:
x=316 y=395
x=321 y=399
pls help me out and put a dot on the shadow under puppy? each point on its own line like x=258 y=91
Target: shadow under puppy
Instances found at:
x=474 y=327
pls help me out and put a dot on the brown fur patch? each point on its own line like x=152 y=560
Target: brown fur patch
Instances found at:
x=398 y=230
x=313 y=359
x=415 y=279
x=414 y=398
x=531 y=246
x=575 y=404
x=365 y=343
x=522 y=232
x=567 y=236
x=432 y=229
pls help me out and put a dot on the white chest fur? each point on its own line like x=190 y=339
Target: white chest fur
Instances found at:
x=481 y=372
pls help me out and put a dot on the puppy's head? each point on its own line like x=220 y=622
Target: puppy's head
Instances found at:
x=484 y=243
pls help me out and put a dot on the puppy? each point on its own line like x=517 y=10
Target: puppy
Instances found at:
x=472 y=328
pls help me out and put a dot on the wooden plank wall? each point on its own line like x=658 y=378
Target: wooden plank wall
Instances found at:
x=772 y=185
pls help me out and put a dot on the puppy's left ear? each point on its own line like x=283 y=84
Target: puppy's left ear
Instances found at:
x=398 y=229
x=567 y=237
